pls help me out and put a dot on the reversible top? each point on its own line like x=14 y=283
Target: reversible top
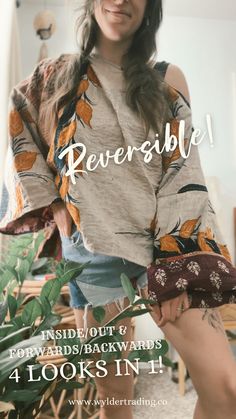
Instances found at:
x=150 y=208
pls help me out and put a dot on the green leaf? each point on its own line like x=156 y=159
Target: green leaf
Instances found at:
x=50 y=389
x=167 y=362
x=38 y=264
x=11 y=288
x=39 y=240
x=99 y=340
x=70 y=385
x=133 y=313
x=3 y=311
x=12 y=305
x=6 y=278
x=24 y=240
x=146 y=355
x=13 y=414
x=12 y=260
x=13 y=334
x=164 y=345
x=20 y=396
x=18 y=321
x=8 y=364
x=45 y=306
x=13 y=272
x=48 y=323
x=108 y=356
x=144 y=301
x=133 y=354
x=31 y=256
x=71 y=357
x=5 y=329
x=31 y=312
x=23 y=270
x=60 y=269
x=72 y=270
x=128 y=288
x=51 y=290
x=99 y=313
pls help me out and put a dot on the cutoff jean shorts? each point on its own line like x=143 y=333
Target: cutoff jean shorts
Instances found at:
x=99 y=283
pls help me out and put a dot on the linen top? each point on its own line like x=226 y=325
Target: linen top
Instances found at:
x=113 y=206
x=156 y=214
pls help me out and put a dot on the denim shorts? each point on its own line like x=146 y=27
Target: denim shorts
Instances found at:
x=99 y=283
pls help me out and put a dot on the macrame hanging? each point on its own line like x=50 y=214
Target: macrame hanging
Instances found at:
x=45 y=26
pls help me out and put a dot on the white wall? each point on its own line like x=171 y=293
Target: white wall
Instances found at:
x=63 y=40
x=204 y=50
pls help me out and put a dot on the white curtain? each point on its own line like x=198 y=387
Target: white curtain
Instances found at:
x=10 y=73
x=10 y=68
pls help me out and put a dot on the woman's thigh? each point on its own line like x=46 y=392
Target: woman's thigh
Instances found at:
x=111 y=311
x=111 y=385
x=199 y=337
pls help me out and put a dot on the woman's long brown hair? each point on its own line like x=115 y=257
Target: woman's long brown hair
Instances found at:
x=145 y=89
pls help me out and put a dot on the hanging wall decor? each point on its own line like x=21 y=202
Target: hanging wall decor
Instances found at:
x=45 y=26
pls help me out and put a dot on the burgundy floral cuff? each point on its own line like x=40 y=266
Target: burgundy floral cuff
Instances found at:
x=208 y=278
x=30 y=222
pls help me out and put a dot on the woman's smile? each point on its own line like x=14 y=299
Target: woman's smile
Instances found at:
x=119 y=22
x=119 y=15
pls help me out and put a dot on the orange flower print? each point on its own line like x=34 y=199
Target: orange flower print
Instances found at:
x=209 y=234
x=165 y=162
x=26 y=115
x=19 y=201
x=66 y=134
x=76 y=156
x=201 y=239
x=83 y=86
x=25 y=161
x=74 y=212
x=93 y=77
x=173 y=94
x=16 y=126
x=224 y=251
x=169 y=244
x=57 y=180
x=174 y=127
x=187 y=228
x=50 y=156
x=84 y=111
x=64 y=186
x=176 y=153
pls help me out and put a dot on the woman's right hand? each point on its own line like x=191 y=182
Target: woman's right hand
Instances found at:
x=171 y=310
x=62 y=218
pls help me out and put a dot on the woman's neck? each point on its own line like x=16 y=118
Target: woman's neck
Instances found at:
x=112 y=51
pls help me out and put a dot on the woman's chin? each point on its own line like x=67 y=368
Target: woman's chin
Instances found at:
x=117 y=36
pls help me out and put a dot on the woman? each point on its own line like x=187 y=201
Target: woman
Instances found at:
x=110 y=97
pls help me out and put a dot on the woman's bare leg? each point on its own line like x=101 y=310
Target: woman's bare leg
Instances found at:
x=119 y=387
x=199 y=337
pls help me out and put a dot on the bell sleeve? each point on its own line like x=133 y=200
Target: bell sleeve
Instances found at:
x=189 y=251
x=28 y=184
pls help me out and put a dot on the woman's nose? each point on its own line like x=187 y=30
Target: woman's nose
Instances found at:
x=120 y=1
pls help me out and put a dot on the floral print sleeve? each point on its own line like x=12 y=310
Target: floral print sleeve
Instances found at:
x=29 y=186
x=189 y=254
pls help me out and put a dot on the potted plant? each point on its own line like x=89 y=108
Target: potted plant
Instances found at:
x=26 y=384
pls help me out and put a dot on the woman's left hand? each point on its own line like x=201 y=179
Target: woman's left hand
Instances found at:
x=170 y=309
